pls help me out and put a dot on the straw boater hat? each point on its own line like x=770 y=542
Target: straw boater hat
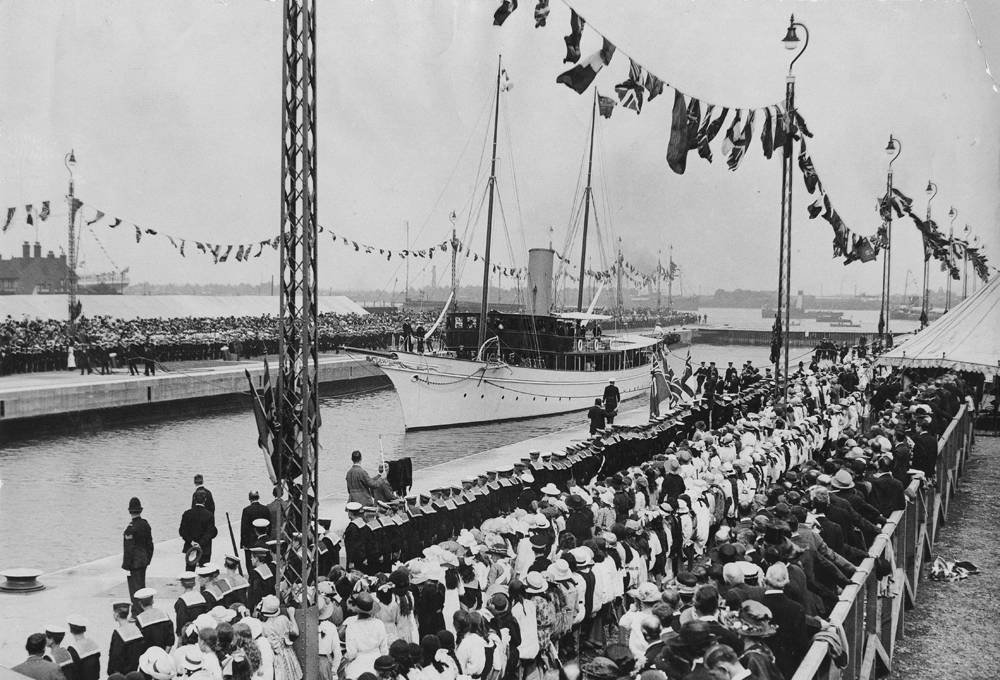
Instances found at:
x=755 y=620
x=647 y=593
x=843 y=480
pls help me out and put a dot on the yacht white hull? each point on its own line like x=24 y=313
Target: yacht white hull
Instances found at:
x=438 y=391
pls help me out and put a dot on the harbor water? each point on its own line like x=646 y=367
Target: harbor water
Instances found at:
x=64 y=496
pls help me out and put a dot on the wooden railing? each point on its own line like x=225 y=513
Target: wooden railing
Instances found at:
x=872 y=610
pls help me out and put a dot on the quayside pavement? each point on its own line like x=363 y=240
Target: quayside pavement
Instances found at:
x=33 y=395
x=954 y=631
x=89 y=589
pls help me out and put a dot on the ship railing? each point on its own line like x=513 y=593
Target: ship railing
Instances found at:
x=872 y=609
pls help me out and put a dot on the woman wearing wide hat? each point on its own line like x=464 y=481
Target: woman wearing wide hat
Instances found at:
x=365 y=638
x=281 y=631
x=754 y=626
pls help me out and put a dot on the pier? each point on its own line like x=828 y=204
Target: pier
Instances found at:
x=762 y=338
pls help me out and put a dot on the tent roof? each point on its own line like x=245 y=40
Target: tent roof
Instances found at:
x=967 y=338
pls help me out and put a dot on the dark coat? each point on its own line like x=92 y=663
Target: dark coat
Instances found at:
x=40 y=669
x=254 y=511
x=198 y=526
x=209 y=500
x=612 y=397
x=792 y=640
x=925 y=453
x=598 y=418
x=137 y=545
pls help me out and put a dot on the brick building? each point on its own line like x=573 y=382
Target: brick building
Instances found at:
x=32 y=274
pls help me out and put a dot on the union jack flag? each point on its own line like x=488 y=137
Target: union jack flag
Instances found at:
x=659 y=388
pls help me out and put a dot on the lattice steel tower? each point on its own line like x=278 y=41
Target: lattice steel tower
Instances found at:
x=298 y=406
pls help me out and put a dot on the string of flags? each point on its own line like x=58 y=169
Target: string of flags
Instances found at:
x=30 y=214
x=947 y=250
x=696 y=124
x=244 y=252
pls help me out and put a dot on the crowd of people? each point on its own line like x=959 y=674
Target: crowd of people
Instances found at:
x=706 y=544
x=102 y=344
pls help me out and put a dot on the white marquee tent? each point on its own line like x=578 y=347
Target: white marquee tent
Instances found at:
x=967 y=338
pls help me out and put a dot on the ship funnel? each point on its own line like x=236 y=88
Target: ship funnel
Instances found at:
x=540 y=281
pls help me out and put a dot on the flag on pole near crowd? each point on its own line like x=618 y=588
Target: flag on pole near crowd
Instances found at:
x=658 y=389
x=263 y=414
x=689 y=384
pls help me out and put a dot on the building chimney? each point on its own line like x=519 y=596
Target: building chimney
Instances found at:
x=52 y=255
x=38 y=249
x=26 y=250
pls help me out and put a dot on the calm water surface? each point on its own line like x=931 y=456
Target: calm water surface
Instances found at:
x=64 y=496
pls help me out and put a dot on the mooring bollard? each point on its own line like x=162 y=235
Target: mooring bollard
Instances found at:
x=21 y=581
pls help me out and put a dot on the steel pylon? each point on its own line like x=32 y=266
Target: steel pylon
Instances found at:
x=298 y=406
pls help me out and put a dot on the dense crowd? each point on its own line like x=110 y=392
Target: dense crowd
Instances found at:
x=646 y=317
x=706 y=544
x=103 y=343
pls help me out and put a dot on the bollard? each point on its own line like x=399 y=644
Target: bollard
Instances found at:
x=21 y=581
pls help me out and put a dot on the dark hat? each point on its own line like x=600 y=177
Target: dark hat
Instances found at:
x=621 y=656
x=686 y=582
x=601 y=668
x=576 y=501
x=364 y=602
x=727 y=553
x=385 y=663
x=692 y=635
x=134 y=505
x=498 y=604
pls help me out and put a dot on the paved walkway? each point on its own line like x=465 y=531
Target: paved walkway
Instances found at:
x=954 y=631
x=90 y=588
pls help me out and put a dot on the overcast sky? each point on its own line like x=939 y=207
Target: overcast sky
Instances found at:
x=174 y=112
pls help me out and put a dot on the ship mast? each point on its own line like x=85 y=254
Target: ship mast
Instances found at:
x=586 y=209
x=489 y=216
x=670 y=280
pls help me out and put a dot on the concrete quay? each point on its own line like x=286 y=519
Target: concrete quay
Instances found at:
x=89 y=589
x=36 y=395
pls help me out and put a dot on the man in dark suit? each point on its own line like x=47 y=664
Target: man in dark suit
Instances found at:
x=706 y=608
x=925 y=449
x=597 y=416
x=612 y=397
x=36 y=666
x=198 y=526
x=137 y=551
x=248 y=534
x=792 y=640
x=199 y=485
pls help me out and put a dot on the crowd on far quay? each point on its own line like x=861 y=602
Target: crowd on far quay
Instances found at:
x=708 y=544
x=102 y=344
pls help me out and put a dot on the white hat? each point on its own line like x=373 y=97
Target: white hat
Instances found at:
x=192 y=659
x=207 y=570
x=77 y=621
x=550 y=489
x=354 y=506
x=611 y=380
x=261 y=523
x=145 y=594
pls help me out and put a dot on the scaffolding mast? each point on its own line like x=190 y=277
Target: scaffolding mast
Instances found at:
x=297 y=436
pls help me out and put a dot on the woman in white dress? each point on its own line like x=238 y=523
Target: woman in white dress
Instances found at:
x=70 y=358
x=365 y=638
x=281 y=631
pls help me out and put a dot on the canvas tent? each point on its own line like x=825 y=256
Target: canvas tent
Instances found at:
x=967 y=338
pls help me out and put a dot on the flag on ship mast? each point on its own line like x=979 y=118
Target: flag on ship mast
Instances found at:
x=658 y=389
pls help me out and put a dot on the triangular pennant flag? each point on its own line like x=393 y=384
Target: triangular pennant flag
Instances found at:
x=653 y=85
x=44 y=212
x=138 y=233
x=182 y=248
x=767 y=134
x=709 y=131
x=239 y=254
x=541 y=13
x=677 y=147
x=97 y=218
x=226 y=256
x=115 y=224
x=504 y=11
x=693 y=121
x=200 y=246
x=10 y=216
x=809 y=175
x=576 y=23
x=171 y=239
x=215 y=252
x=30 y=219
x=276 y=243
x=779 y=129
x=505 y=82
x=607 y=51
x=151 y=232
x=731 y=134
x=742 y=143
x=605 y=105
x=582 y=75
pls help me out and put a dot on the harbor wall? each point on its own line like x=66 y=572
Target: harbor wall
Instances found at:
x=762 y=338
x=102 y=393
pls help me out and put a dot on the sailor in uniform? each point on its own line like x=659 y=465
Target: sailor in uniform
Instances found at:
x=428 y=526
x=443 y=510
x=238 y=586
x=401 y=521
x=328 y=546
x=262 y=531
x=261 y=583
x=56 y=653
x=154 y=623
x=190 y=605
x=413 y=536
x=460 y=516
x=355 y=545
x=375 y=538
x=127 y=642
x=213 y=588
x=85 y=652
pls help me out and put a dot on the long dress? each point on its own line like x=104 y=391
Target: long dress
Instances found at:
x=278 y=630
x=70 y=359
x=388 y=614
x=365 y=641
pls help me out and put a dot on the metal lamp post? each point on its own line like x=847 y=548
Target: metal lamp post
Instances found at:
x=924 y=311
x=791 y=42
x=70 y=162
x=893 y=148
x=953 y=213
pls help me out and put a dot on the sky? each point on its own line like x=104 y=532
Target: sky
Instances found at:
x=173 y=111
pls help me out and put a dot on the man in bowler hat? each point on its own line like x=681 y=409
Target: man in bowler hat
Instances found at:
x=137 y=550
